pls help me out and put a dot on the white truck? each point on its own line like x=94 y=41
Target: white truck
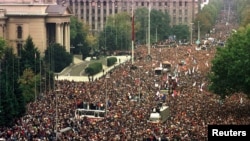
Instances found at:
x=159 y=115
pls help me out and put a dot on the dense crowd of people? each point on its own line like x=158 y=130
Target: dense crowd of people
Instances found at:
x=192 y=106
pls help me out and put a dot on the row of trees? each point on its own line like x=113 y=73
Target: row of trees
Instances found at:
x=207 y=17
x=243 y=11
x=117 y=33
x=24 y=77
x=230 y=71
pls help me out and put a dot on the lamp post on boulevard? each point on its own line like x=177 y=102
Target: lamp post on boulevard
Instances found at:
x=149 y=10
x=133 y=34
x=191 y=33
x=57 y=92
x=106 y=98
x=140 y=85
x=198 y=40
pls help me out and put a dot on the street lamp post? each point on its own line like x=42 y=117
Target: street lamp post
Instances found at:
x=106 y=99
x=198 y=31
x=149 y=10
x=191 y=33
x=140 y=85
x=57 y=92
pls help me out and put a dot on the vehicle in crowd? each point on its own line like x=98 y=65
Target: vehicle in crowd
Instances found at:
x=159 y=114
x=93 y=115
x=158 y=70
x=166 y=65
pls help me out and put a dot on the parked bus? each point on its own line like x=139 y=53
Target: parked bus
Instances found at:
x=89 y=114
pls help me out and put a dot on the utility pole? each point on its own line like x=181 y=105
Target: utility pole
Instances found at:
x=133 y=33
x=199 y=31
x=191 y=33
x=149 y=9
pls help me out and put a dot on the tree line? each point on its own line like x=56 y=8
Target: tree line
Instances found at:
x=25 y=75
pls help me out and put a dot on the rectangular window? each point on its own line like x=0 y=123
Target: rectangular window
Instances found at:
x=186 y=19
x=174 y=20
x=180 y=12
x=180 y=3
x=180 y=20
x=186 y=3
x=19 y=48
x=19 y=32
x=174 y=11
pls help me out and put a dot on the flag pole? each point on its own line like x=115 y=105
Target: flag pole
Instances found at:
x=149 y=9
x=133 y=36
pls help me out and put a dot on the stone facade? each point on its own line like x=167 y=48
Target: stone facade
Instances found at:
x=43 y=20
x=95 y=12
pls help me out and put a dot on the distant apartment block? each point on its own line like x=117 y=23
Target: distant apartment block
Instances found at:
x=95 y=12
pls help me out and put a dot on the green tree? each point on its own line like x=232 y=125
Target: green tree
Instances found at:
x=207 y=16
x=57 y=58
x=27 y=84
x=228 y=75
x=29 y=57
x=243 y=11
x=116 y=35
x=78 y=37
x=181 y=32
x=159 y=23
x=10 y=95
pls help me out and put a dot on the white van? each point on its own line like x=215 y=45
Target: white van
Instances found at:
x=160 y=115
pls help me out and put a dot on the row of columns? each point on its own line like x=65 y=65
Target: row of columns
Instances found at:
x=63 y=34
x=94 y=4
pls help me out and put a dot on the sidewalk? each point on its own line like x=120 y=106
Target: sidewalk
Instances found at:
x=97 y=76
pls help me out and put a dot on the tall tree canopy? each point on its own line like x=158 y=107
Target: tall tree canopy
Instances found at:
x=57 y=58
x=231 y=65
x=12 y=102
x=29 y=57
x=207 y=16
x=116 y=34
x=78 y=37
x=243 y=11
x=159 y=25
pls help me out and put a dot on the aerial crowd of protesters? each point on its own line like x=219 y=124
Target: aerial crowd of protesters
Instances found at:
x=192 y=106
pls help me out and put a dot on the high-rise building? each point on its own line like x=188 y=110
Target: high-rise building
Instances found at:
x=43 y=20
x=95 y=12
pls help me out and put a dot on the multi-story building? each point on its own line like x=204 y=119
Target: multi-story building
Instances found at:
x=43 y=20
x=95 y=12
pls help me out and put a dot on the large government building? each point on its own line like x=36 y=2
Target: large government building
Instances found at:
x=95 y=12
x=44 y=20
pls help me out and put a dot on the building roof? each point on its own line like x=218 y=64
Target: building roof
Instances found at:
x=57 y=10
